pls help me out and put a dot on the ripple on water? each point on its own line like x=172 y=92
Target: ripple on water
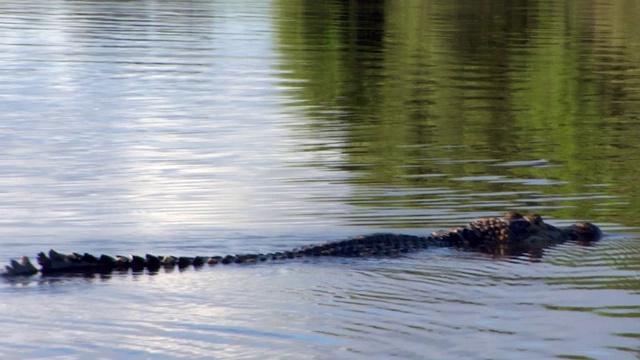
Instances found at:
x=351 y=308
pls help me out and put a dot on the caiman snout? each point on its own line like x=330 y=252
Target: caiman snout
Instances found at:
x=583 y=231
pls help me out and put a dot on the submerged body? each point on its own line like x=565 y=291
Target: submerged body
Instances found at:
x=507 y=235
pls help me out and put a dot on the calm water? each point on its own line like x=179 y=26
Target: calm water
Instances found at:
x=217 y=127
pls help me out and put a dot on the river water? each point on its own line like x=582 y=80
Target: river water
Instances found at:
x=222 y=127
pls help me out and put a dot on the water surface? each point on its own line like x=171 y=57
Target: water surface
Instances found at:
x=207 y=127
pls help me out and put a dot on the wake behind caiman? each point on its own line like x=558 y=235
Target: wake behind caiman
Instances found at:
x=508 y=235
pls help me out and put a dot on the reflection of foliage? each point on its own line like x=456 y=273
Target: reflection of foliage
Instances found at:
x=412 y=79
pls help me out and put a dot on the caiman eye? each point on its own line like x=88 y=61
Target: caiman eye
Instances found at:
x=513 y=215
x=534 y=219
x=518 y=225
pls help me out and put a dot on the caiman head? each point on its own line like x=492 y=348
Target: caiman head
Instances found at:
x=532 y=225
x=515 y=233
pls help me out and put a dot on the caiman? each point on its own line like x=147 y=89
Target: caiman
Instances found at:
x=511 y=234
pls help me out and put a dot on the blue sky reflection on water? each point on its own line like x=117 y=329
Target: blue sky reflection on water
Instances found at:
x=149 y=131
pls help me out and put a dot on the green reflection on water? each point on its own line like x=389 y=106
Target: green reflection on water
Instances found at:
x=420 y=93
